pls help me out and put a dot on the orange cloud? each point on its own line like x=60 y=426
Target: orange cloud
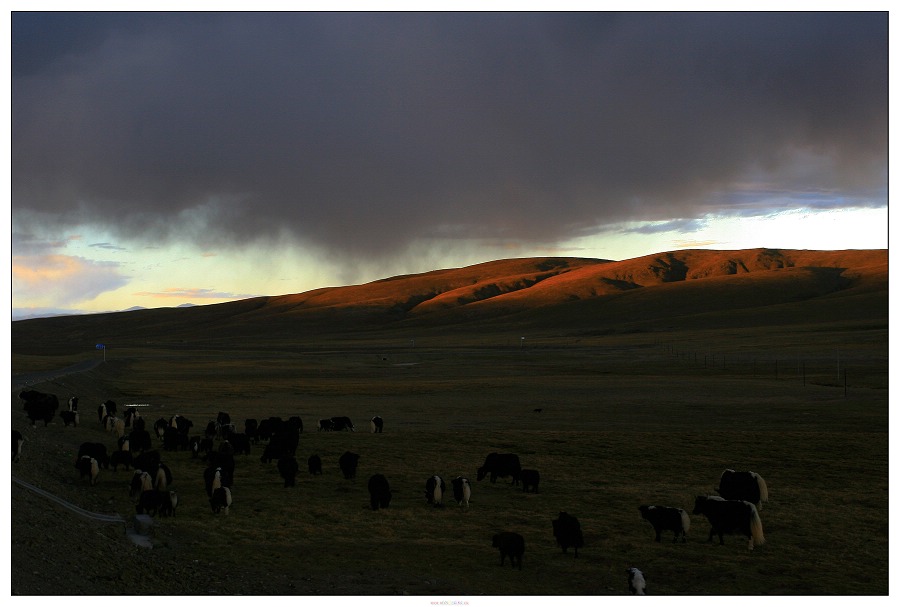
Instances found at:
x=33 y=270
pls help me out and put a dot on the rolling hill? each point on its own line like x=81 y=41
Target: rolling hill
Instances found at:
x=686 y=289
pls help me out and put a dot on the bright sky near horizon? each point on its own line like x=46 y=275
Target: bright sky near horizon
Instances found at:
x=169 y=158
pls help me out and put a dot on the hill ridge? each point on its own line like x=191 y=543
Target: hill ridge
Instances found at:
x=571 y=295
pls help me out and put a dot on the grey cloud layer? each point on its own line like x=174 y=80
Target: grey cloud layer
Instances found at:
x=362 y=132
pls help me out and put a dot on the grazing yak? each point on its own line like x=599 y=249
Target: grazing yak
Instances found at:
x=530 y=480
x=159 y=427
x=251 y=429
x=502 y=465
x=95 y=450
x=141 y=482
x=148 y=460
x=220 y=500
x=168 y=503
x=747 y=486
x=70 y=418
x=268 y=427
x=162 y=477
x=155 y=501
x=325 y=425
x=39 y=406
x=150 y=502
x=171 y=438
x=665 y=518
x=377 y=425
x=636 y=582
x=567 y=531
x=272 y=451
x=434 y=490
x=342 y=423
x=132 y=415
x=296 y=423
x=17 y=442
x=348 y=463
x=734 y=517
x=240 y=442
x=212 y=479
x=379 y=492
x=462 y=491
x=121 y=458
x=511 y=545
x=315 y=464
x=140 y=440
x=288 y=468
x=88 y=467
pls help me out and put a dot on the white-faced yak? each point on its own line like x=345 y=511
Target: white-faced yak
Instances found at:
x=636 y=582
x=730 y=517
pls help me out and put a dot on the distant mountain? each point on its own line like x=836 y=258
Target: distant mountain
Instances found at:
x=566 y=295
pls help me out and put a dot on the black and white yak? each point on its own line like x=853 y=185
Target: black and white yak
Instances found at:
x=665 y=518
x=141 y=482
x=95 y=450
x=377 y=425
x=18 y=441
x=511 y=545
x=70 y=418
x=220 y=500
x=88 y=467
x=434 y=490
x=462 y=491
x=636 y=582
x=730 y=517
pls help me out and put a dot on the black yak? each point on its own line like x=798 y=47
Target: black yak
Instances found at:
x=511 y=545
x=665 y=518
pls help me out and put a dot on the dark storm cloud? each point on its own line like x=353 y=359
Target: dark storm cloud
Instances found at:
x=360 y=132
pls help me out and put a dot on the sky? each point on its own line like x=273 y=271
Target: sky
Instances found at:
x=167 y=158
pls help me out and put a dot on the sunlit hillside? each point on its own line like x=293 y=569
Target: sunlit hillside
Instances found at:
x=691 y=290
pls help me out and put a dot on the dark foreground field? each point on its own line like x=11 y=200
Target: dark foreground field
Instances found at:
x=643 y=415
x=620 y=426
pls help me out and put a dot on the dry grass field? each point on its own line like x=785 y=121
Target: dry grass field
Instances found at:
x=646 y=394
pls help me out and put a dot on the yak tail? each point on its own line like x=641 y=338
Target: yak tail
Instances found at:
x=756 y=529
x=685 y=522
x=763 y=489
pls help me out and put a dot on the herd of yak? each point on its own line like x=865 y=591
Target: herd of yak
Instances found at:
x=734 y=511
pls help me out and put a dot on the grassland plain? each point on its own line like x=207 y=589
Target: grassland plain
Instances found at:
x=623 y=422
x=645 y=396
